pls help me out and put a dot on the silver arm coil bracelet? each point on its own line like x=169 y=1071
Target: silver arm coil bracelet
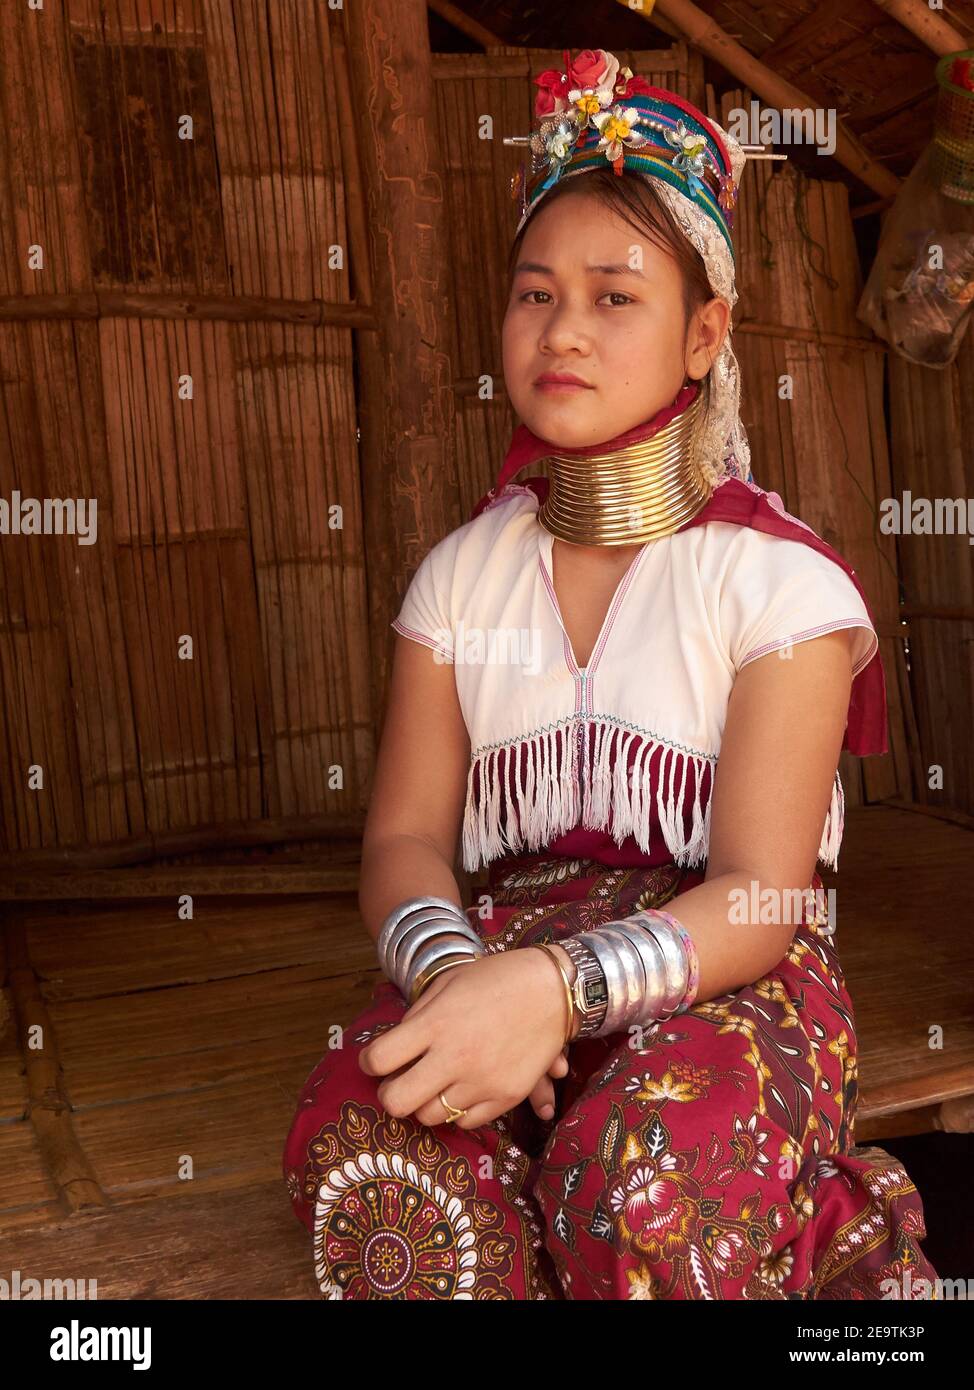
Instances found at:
x=418 y=933
x=649 y=974
x=674 y=956
x=397 y=916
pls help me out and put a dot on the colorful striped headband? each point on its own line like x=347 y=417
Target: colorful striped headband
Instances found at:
x=596 y=113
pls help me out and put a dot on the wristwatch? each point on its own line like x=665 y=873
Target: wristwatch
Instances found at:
x=589 y=989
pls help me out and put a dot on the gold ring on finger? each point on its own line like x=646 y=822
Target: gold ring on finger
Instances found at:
x=451 y=1113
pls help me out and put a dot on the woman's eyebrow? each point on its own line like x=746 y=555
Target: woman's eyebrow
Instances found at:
x=621 y=268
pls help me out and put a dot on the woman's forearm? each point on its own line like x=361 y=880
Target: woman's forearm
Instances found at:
x=734 y=946
x=397 y=868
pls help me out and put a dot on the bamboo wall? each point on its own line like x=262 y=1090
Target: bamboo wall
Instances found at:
x=213 y=512
x=825 y=450
x=932 y=415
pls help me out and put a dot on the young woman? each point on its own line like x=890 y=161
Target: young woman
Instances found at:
x=624 y=690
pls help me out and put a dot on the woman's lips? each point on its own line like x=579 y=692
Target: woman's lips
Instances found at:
x=561 y=386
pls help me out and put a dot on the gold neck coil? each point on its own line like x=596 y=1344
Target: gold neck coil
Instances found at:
x=629 y=495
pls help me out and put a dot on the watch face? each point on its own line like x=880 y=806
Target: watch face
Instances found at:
x=596 y=993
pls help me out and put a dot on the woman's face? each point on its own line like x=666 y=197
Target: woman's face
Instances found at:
x=593 y=298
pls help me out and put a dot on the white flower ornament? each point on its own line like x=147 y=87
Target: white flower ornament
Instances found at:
x=617 y=129
x=692 y=156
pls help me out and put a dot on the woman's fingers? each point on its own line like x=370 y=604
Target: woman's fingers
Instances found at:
x=559 y=1066
x=399 y=1046
x=542 y=1098
x=416 y=1089
x=433 y=1112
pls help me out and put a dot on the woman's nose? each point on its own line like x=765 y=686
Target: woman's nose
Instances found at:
x=564 y=330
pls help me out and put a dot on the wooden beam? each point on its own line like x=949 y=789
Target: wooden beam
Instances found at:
x=463 y=22
x=480 y=34
x=232 y=308
x=867 y=209
x=171 y=880
x=950 y=615
x=407 y=451
x=48 y=1107
x=344 y=827
x=716 y=43
x=926 y=24
x=791 y=46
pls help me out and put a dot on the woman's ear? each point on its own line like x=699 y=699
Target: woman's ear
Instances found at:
x=708 y=329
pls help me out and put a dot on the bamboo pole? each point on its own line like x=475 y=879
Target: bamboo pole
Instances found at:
x=407 y=413
x=234 y=308
x=711 y=39
x=926 y=24
x=358 y=231
x=48 y=1108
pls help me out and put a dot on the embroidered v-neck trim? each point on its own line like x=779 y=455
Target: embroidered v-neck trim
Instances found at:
x=546 y=566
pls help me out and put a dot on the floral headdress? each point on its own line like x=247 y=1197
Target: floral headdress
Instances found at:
x=597 y=114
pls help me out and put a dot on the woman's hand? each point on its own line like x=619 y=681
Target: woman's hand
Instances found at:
x=488 y=1035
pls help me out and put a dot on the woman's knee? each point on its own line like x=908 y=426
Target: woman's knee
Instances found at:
x=335 y=1079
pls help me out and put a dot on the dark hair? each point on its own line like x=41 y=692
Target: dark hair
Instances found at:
x=636 y=201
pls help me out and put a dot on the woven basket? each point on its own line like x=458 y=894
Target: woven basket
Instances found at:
x=954 y=131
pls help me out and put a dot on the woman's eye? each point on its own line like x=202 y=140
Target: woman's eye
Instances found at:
x=610 y=294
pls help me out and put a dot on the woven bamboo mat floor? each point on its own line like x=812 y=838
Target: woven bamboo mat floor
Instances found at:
x=192 y=1039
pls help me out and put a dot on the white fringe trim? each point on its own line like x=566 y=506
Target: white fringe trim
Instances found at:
x=828 y=850
x=550 y=799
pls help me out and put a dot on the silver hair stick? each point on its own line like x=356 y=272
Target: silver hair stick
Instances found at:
x=752 y=151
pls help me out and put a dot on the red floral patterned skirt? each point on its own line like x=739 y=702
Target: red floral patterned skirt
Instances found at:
x=715 y=1161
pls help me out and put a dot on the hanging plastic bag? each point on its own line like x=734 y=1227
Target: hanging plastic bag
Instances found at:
x=920 y=290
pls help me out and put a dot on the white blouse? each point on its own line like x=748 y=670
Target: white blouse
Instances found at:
x=690 y=612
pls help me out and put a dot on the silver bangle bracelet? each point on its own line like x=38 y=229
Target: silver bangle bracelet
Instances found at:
x=674 y=955
x=636 y=985
x=403 y=910
x=430 y=917
x=416 y=930
x=638 y=981
x=654 y=967
x=430 y=953
x=418 y=951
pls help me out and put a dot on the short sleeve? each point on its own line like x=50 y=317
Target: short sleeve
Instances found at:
x=781 y=592
x=425 y=612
